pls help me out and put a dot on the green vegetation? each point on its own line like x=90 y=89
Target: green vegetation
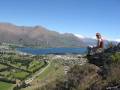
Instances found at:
x=20 y=75
x=5 y=86
x=2 y=66
x=35 y=65
x=116 y=57
x=18 y=67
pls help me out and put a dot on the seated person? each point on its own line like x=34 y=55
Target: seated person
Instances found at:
x=100 y=45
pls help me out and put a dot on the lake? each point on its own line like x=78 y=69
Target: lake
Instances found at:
x=46 y=51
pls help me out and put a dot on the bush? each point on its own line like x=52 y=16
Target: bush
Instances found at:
x=116 y=57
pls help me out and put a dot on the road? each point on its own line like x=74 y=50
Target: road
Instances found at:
x=28 y=81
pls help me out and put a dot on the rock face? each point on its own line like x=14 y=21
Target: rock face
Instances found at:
x=37 y=36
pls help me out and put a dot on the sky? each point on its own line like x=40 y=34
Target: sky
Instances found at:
x=80 y=17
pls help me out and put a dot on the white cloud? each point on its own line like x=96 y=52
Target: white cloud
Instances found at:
x=94 y=37
x=118 y=40
x=80 y=36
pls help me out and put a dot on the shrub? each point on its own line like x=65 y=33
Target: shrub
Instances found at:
x=116 y=57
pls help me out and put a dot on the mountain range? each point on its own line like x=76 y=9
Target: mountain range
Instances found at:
x=37 y=36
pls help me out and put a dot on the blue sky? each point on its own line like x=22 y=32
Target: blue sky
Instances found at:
x=83 y=17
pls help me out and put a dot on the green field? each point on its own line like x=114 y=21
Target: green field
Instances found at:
x=35 y=65
x=20 y=75
x=5 y=86
x=2 y=66
x=18 y=67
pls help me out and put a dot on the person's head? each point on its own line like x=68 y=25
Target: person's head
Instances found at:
x=98 y=35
